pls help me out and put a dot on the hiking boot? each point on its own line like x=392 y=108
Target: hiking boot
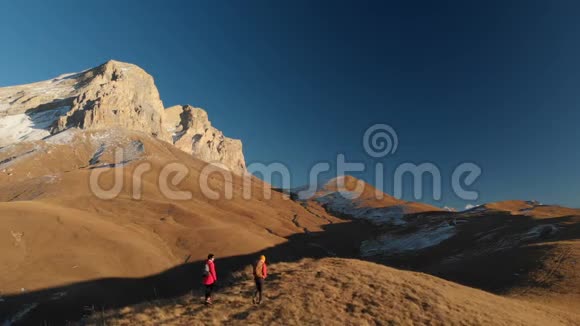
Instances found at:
x=256 y=299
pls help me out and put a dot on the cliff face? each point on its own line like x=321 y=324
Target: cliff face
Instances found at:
x=193 y=133
x=114 y=94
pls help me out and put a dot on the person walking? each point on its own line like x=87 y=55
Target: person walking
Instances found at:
x=209 y=278
x=260 y=274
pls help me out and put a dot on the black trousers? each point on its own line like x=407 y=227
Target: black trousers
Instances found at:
x=259 y=284
x=208 y=290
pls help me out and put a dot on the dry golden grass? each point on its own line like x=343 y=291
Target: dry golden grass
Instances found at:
x=334 y=291
x=62 y=233
x=521 y=207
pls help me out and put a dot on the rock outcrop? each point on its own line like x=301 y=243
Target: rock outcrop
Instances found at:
x=193 y=133
x=112 y=94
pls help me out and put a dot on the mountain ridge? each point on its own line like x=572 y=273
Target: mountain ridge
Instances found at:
x=67 y=248
x=112 y=94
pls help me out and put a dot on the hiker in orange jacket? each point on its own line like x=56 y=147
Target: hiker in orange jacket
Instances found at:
x=209 y=277
x=260 y=274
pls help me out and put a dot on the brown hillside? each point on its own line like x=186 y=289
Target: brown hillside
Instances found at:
x=58 y=231
x=342 y=292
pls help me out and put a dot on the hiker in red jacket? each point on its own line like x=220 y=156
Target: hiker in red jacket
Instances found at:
x=260 y=274
x=209 y=277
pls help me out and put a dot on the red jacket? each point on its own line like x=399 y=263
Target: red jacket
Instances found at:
x=211 y=275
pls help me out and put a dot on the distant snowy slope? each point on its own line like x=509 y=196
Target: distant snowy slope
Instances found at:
x=350 y=197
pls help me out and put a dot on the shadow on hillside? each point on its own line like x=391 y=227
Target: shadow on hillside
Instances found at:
x=475 y=265
x=44 y=115
x=494 y=252
x=57 y=305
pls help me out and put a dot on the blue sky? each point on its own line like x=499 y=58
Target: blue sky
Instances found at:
x=492 y=82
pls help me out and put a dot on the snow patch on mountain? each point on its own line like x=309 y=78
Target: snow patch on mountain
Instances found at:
x=62 y=138
x=345 y=203
x=396 y=244
x=475 y=209
x=540 y=231
x=28 y=126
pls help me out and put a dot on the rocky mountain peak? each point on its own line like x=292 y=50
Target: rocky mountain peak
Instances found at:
x=193 y=133
x=114 y=94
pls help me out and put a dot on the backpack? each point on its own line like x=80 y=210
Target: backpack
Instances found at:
x=206 y=270
x=258 y=269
